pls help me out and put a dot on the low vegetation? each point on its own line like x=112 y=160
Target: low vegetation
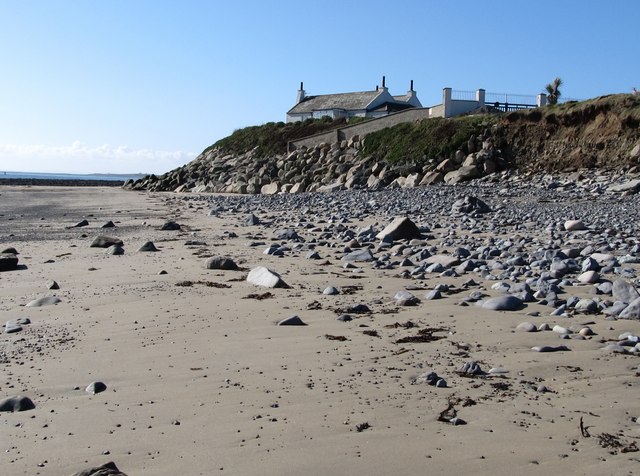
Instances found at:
x=626 y=108
x=272 y=138
x=425 y=140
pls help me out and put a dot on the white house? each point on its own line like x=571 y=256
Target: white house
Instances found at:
x=371 y=104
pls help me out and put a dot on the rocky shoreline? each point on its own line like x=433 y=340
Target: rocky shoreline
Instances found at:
x=591 y=137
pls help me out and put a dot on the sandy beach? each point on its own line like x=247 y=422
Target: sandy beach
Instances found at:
x=200 y=379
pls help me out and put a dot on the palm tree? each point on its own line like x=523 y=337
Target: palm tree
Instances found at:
x=553 y=91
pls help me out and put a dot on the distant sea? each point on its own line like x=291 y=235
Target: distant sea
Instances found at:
x=43 y=176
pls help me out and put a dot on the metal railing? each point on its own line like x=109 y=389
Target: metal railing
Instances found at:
x=510 y=98
x=458 y=95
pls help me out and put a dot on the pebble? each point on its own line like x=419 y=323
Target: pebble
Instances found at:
x=292 y=321
x=433 y=294
x=170 y=226
x=550 y=348
x=405 y=298
x=574 y=225
x=471 y=368
x=95 y=387
x=526 y=327
x=222 y=263
x=148 y=246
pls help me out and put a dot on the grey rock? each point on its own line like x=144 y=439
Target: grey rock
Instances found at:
x=401 y=228
x=292 y=321
x=115 y=250
x=469 y=204
x=550 y=348
x=170 y=226
x=313 y=255
x=80 y=224
x=8 y=261
x=363 y=254
x=12 y=328
x=503 y=303
x=44 y=301
x=589 y=277
x=108 y=224
x=616 y=349
x=526 y=327
x=632 y=311
x=463 y=174
x=330 y=291
x=471 y=368
x=107 y=469
x=221 y=262
x=615 y=309
x=574 y=225
x=148 y=247
x=359 y=308
x=262 y=276
x=405 y=298
x=433 y=294
x=251 y=220
x=624 y=291
x=16 y=404
x=586 y=306
x=630 y=186
x=95 y=387
x=285 y=234
x=105 y=242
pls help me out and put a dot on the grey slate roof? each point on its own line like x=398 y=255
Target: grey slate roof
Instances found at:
x=403 y=98
x=349 y=101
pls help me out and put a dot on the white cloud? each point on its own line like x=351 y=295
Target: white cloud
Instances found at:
x=81 y=158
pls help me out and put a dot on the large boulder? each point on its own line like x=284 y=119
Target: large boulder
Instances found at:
x=270 y=188
x=401 y=228
x=631 y=186
x=431 y=178
x=463 y=174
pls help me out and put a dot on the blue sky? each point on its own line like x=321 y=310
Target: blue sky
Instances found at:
x=144 y=85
